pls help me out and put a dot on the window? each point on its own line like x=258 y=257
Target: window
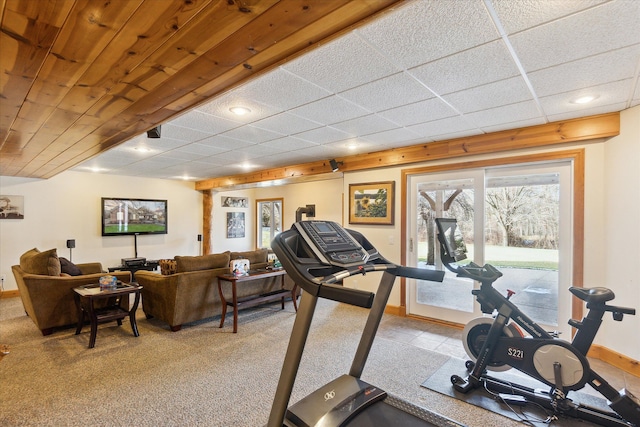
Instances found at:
x=268 y=221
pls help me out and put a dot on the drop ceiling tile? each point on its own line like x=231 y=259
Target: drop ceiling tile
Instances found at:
x=353 y=147
x=419 y=112
x=319 y=152
x=400 y=136
x=202 y=122
x=180 y=155
x=330 y=110
x=286 y=124
x=224 y=142
x=473 y=67
x=202 y=150
x=490 y=95
x=592 y=71
x=522 y=14
x=181 y=133
x=252 y=134
x=422 y=31
x=209 y=163
x=342 y=64
x=577 y=36
x=248 y=153
x=286 y=158
x=365 y=125
x=460 y=134
x=156 y=161
x=238 y=156
x=282 y=90
x=574 y=114
x=435 y=129
x=389 y=92
x=288 y=144
x=520 y=111
x=609 y=94
x=323 y=135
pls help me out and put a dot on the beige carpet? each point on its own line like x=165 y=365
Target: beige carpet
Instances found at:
x=199 y=376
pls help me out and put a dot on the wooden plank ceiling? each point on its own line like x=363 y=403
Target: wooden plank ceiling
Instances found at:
x=79 y=77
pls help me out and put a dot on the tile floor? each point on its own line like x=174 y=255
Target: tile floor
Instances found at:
x=447 y=340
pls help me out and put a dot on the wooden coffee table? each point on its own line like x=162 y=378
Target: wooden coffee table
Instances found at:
x=86 y=297
x=253 y=300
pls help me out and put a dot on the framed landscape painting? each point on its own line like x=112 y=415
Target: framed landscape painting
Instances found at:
x=371 y=203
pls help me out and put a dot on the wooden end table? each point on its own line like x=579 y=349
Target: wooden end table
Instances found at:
x=253 y=300
x=86 y=296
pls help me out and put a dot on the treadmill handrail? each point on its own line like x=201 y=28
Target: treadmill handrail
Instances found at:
x=397 y=270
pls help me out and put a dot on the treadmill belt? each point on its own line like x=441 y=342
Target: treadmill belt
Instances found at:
x=393 y=412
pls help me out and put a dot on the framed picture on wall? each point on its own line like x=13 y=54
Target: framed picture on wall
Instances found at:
x=234 y=202
x=235 y=225
x=371 y=203
x=11 y=207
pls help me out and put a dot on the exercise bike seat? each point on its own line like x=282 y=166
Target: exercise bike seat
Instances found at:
x=598 y=295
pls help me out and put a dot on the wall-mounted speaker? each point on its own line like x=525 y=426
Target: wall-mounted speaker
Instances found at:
x=154 y=133
x=199 y=237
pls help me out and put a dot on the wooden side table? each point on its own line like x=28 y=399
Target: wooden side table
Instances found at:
x=252 y=300
x=86 y=297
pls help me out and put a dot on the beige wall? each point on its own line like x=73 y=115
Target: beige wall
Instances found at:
x=67 y=206
x=618 y=255
x=325 y=194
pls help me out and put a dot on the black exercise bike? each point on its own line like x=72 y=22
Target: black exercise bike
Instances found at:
x=498 y=343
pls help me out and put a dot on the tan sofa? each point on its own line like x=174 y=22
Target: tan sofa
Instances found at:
x=47 y=292
x=191 y=293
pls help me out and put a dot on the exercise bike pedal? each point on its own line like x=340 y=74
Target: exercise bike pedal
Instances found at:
x=460 y=384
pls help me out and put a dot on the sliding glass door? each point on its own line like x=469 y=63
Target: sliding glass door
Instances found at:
x=515 y=218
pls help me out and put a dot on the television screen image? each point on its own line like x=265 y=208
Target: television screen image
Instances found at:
x=133 y=216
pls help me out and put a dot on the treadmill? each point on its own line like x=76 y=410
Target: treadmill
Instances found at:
x=318 y=255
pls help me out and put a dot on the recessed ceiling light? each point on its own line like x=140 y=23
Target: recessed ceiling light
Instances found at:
x=240 y=111
x=246 y=166
x=352 y=145
x=584 y=99
x=142 y=149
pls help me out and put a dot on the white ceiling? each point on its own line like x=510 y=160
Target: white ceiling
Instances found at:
x=429 y=70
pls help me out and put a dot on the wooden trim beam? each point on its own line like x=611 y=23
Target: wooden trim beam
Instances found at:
x=207 y=220
x=556 y=133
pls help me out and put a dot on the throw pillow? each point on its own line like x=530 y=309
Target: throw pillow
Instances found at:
x=44 y=263
x=68 y=267
x=204 y=262
x=167 y=266
x=254 y=257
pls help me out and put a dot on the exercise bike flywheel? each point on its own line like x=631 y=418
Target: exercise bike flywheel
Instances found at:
x=475 y=334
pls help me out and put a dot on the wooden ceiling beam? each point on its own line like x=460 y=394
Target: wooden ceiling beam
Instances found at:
x=78 y=77
x=556 y=133
x=284 y=33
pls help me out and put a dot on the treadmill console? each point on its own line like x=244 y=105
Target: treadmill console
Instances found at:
x=331 y=243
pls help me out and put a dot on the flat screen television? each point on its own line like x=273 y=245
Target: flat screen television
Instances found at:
x=133 y=216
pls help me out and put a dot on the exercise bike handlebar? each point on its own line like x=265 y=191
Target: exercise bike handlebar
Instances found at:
x=486 y=273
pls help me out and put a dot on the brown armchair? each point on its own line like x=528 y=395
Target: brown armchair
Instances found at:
x=48 y=298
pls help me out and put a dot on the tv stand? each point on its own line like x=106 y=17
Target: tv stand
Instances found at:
x=148 y=266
